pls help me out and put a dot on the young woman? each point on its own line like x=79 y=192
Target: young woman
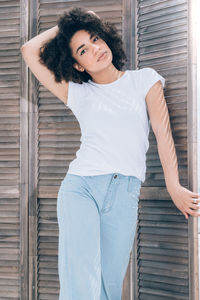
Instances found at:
x=80 y=61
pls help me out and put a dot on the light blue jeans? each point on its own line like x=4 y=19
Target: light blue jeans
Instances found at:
x=97 y=219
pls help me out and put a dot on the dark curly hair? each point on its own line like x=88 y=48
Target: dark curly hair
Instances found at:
x=56 y=53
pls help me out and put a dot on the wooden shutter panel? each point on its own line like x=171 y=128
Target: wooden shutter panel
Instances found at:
x=58 y=140
x=13 y=152
x=164 y=267
x=163 y=43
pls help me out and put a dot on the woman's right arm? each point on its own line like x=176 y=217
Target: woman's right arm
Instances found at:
x=30 y=53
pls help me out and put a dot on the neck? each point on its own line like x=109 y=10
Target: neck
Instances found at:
x=107 y=76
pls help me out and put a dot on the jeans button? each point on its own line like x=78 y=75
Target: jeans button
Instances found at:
x=115 y=176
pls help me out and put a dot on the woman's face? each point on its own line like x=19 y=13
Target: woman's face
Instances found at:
x=87 y=49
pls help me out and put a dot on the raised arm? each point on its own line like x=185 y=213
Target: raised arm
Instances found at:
x=30 y=53
x=159 y=117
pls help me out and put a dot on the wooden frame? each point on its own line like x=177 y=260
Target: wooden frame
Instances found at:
x=29 y=151
x=192 y=147
x=127 y=25
x=128 y=34
x=33 y=163
x=24 y=137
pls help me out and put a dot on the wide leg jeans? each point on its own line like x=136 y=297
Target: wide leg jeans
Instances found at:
x=97 y=218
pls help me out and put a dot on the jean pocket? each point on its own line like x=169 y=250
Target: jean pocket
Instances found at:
x=134 y=186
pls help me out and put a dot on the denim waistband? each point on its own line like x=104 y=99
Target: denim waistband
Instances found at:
x=115 y=175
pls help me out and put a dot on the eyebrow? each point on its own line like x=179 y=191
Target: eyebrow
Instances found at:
x=91 y=36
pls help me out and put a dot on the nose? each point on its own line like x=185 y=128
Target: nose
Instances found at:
x=96 y=49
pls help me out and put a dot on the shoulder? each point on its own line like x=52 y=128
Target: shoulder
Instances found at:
x=151 y=76
x=78 y=87
x=143 y=72
x=148 y=71
x=76 y=94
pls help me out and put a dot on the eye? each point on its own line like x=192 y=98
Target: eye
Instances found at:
x=82 y=51
x=93 y=41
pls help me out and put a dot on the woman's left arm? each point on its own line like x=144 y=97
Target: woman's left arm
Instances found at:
x=159 y=117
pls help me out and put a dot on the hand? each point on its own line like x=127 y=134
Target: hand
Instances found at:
x=185 y=200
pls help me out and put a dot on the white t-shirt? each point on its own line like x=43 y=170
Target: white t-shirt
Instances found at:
x=114 y=124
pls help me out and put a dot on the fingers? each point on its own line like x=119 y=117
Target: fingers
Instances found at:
x=194 y=194
x=92 y=12
x=193 y=213
x=194 y=206
x=195 y=200
x=192 y=209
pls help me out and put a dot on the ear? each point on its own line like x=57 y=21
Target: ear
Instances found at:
x=78 y=67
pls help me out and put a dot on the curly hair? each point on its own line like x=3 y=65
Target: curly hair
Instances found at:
x=56 y=53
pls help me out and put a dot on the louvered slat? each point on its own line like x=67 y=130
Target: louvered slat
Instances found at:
x=9 y=150
x=162 y=236
x=58 y=140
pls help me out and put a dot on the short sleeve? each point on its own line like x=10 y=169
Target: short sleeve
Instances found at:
x=149 y=78
x=76 y=94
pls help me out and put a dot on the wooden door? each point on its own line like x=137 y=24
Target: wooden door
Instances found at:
x=167 y=242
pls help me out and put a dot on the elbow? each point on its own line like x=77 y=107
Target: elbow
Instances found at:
x=22 y=48
x=25 y=51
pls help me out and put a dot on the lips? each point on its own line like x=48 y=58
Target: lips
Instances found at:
x=101 y=55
